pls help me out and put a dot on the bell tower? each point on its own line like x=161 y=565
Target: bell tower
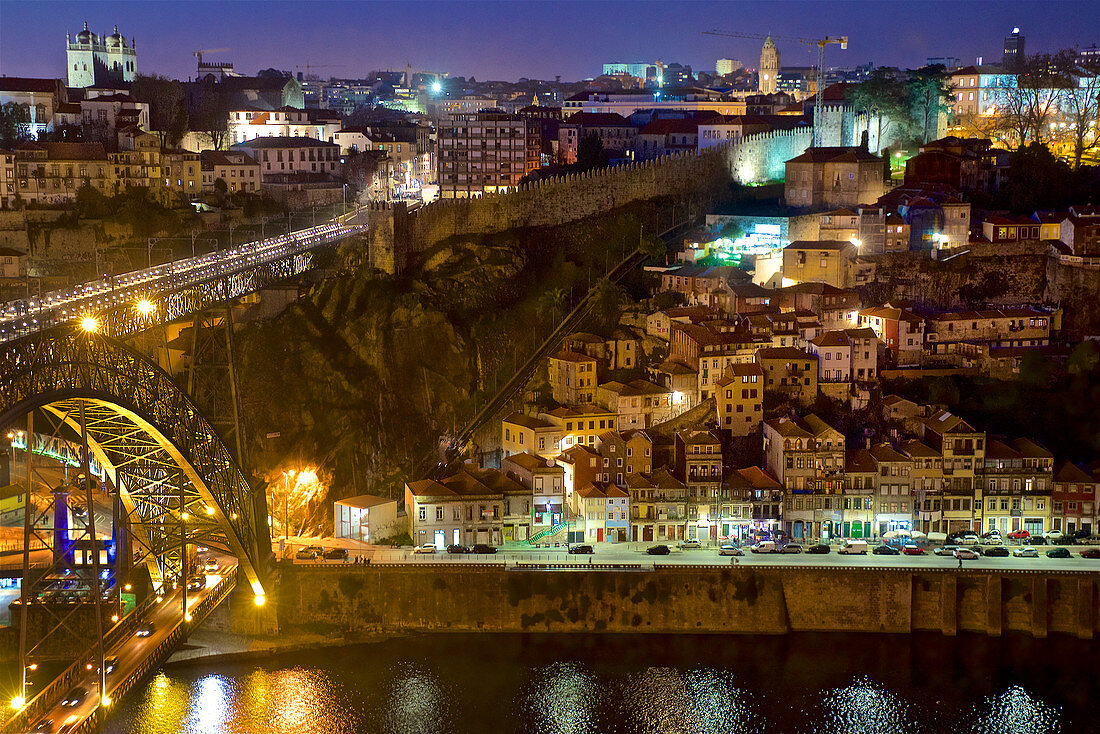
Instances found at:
x=769 y=68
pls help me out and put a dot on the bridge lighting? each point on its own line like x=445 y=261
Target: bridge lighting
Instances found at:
x=127 y=587
x=17 y=702
x=209 y=510
x=114 y=617
x=145 y=307
x=106 y=700
x=259 y=600
x=32 y=666
x=90 y=324
x=183 y=516
x=160 y=599
x=187 y=617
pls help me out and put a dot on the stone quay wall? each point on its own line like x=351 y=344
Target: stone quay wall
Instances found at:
x=715 y=599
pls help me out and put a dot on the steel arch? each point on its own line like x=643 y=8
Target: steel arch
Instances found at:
x=148 y=435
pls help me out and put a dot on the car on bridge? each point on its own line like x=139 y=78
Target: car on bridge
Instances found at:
x=75 y=697
x=1058 y=552
x=581 y=550
x=1025 y=552
x=658 y=550
x=43 y=727
x=995 y=551
x=196 y=582
x=145 y=630
x=211 y=565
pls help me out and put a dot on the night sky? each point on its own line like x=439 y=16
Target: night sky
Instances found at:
x=509 y=40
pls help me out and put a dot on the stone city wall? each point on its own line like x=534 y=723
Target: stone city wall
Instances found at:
x=735 y=599
x=762 y=157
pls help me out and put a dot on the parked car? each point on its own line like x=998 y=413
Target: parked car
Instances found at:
x=912 y=549
x=457 y=549
x=690 y=545
x=305 y=554
x=886 y=550
x=966 y=554
x=196 y=583
x=658 y=550
x=1054 y=535
x=1025 y=552
x=1058 y=553
x=581 y=550
x=75 y=697
x=969 y=537
x=336 y=554
x=1081 y=535
x=992 y=540
x=819 y=549
x=730 y=550
x=1020 y=534
x=145 y=630
x=483 y=549
x=318 y=550
x=946 y=550
x=764 y=546
x=1090 y=553
x=992 y=533
x=854 y=548
x=995 y=551
x=1037 y=540
x=791 y=548
x=425 y=548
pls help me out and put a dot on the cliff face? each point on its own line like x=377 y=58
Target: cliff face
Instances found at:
x=363 y=375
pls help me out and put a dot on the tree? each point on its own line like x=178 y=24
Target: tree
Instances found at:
x=1080 y=106
x=273 y=74
x=607 y=303
x=554 y=301
x=1036 y=180
x=13 y=124
x=882 y=98
x=928 y=91
x=1029 y=101
x=210 y=115
x=590 y=153
x=167 y=108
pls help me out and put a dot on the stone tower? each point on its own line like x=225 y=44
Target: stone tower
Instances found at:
x=769 y=68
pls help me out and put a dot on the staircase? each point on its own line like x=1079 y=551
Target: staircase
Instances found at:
x=544 y=533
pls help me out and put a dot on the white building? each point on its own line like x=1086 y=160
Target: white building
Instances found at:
x=366 y=518
x=285 y=122
x=94 y=60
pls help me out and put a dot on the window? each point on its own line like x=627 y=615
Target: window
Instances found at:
x=439 y=513
x=423 y=514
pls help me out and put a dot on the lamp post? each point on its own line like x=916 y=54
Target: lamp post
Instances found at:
x=287 y=476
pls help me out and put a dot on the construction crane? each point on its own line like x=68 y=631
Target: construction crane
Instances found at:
x=821 y=43
x=200 y=51
x=307 y=66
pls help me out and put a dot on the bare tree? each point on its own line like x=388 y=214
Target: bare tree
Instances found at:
x=1080 y=107
x=1030 y=101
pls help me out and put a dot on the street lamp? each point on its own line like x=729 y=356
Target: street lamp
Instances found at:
x=287 y=476
x=89 y=324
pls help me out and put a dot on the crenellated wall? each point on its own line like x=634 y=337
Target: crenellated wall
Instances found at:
x=736 y=599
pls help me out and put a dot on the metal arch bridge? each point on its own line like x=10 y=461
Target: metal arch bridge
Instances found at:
x=172 y=472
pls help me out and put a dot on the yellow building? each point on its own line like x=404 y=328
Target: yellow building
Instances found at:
x=51 y=173
x=521 y=433
x=183 y=173
x=740 y=398
x=820 y=261
x=582 y=424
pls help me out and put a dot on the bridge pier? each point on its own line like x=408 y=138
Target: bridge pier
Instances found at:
x=1039 y=607
x=949 y=623
x=238 y=614
x=1086 y=608
x=994 y=611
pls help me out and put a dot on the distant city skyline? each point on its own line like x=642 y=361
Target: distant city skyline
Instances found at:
x=508 y=41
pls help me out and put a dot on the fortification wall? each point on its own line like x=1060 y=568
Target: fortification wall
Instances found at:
x=762 y=157
x=736 y=599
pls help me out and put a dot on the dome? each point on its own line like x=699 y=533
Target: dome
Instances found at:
x=86 y=36
x=114 y=40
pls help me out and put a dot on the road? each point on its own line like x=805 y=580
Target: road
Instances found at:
x=634 y=553
x=131 y=653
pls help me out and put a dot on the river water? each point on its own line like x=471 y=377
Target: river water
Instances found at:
x=581 y=684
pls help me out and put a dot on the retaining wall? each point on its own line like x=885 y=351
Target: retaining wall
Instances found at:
x=717 y=599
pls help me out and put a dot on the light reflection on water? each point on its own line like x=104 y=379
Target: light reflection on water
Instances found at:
x=560 y=684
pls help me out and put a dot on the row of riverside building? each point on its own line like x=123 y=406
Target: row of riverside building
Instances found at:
x=938 y=475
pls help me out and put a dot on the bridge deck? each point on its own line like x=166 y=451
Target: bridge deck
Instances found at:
x=137 y=656
x=24 y=317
